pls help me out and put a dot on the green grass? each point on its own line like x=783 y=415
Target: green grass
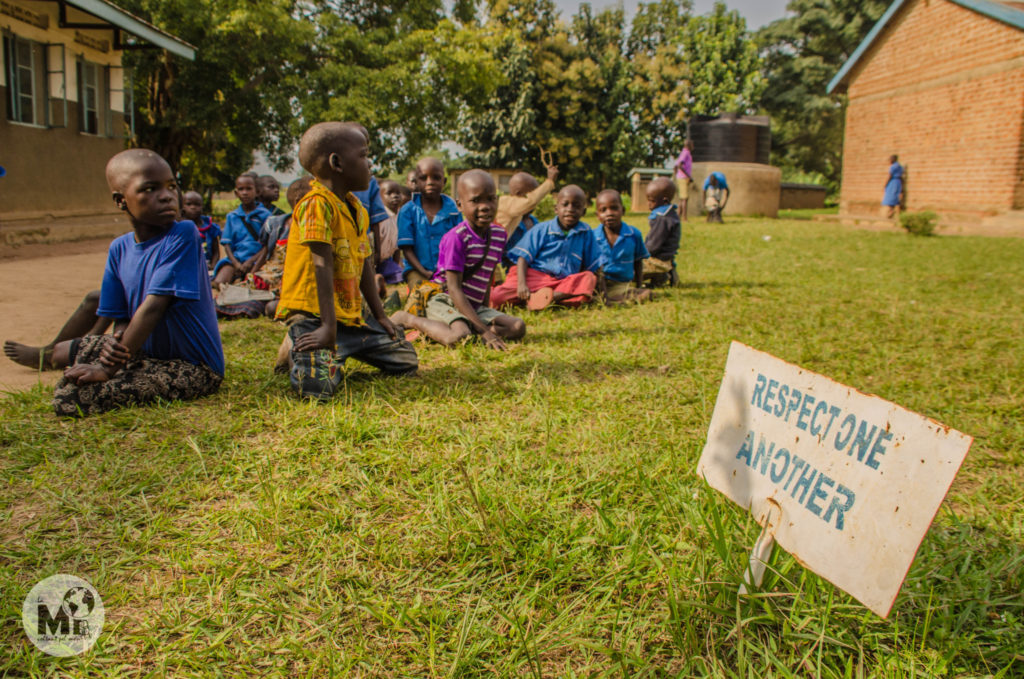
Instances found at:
x=537 y=513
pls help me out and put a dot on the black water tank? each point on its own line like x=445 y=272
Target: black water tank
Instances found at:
x=731 y=138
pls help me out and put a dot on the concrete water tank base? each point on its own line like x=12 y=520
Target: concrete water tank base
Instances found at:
x=753 y=188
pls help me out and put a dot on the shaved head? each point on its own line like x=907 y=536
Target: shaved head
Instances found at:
x=474 y=180
x=125 y=164
x=572 y=191
x=425 y=165
x=609 y=194
x=297 y=189
x=323 y=139
x=192 y=195
x=663 y=188
x=522 y=183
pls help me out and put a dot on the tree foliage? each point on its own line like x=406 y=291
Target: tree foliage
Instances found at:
x=601 y=94
x=802 y=53
x=207 y=116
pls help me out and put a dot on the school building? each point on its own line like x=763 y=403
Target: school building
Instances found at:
x=940 y=83
x=65 y=109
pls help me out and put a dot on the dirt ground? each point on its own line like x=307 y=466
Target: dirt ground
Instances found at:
x=43 y=284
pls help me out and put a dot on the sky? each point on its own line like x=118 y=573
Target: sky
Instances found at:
x=757 y=12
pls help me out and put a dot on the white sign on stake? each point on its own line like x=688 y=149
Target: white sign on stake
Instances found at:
x=846 y=482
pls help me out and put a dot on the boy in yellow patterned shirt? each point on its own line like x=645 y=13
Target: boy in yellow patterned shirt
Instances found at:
x=328 y=271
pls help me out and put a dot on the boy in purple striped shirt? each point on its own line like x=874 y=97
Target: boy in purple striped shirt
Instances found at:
x=468 y=256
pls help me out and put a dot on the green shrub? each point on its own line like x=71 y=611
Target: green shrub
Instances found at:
x=919 y=223
x=545 y=209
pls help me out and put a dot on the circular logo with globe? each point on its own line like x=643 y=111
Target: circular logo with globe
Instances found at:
x=63 y=615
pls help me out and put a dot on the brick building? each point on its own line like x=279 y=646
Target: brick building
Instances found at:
x=941 y=84
x=65 y=108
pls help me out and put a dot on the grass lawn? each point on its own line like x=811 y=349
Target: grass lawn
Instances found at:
x=537 y=513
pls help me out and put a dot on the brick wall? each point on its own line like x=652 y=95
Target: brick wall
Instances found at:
x=942 y=87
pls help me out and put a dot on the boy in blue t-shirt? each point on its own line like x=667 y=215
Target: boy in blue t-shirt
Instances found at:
x=423 y=221
x=209 y=232
x=241 y=237
x=166 y=343
x=622 y=253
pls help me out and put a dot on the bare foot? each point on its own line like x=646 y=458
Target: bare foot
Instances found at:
x=30 y=357
x=541 y=299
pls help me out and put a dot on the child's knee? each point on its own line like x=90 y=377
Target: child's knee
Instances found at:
x=516 y=328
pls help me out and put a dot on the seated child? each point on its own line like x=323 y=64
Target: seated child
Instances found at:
x=468 y=256
x=166 y=343
x=241 y=237
x=268 y=190
x=663 y=237
x=390 y=266
x=716 y=195
x=209 y=232
x=412 y=182
x=269 y=267
x=622 y=252
x=328 y=265
x=555 y=261
x=514 y=210
x=423 y=221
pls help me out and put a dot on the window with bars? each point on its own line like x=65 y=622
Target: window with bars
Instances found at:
x=25 y=65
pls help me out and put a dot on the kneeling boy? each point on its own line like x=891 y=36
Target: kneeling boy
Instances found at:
x=166 y=343
x=468 y=255
x=555 y=260
x=622 y=252
x=327 y=265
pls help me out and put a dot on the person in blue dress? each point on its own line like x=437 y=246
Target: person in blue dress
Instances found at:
x=893 y=197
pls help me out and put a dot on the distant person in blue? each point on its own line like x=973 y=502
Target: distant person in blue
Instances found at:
x=622 y=249
x=209 y=231
x=893 y=197
x=716 y=195
x=423 y=221
x=166 y=343
x=241 y=237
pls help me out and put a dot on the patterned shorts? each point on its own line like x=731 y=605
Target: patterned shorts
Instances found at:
x=318 y=374
x=141 y=380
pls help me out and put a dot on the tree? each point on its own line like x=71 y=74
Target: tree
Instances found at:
x=724 y=64
x=406 y=74
x=207 y=116
x=660 y=89
x=802 y=52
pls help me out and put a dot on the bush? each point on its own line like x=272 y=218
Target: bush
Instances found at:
x=545 y=209
x=919 y=223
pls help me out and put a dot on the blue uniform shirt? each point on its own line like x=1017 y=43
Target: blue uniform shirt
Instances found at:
x=169 y=264
x=243 y=244
x=370 y=198
x=422 y=234
x=525 y=224
x=548 y=248
x=618 y=260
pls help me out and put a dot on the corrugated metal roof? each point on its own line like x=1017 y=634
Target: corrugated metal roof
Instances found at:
x=140 y=28
x=1006 y=11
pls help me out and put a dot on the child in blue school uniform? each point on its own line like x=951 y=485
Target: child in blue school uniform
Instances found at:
x=423 y=221
x=622 y=253
x=166 y=343
x=556 y=261
x=209 y=231
x=664 y=234
x=241 y=237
